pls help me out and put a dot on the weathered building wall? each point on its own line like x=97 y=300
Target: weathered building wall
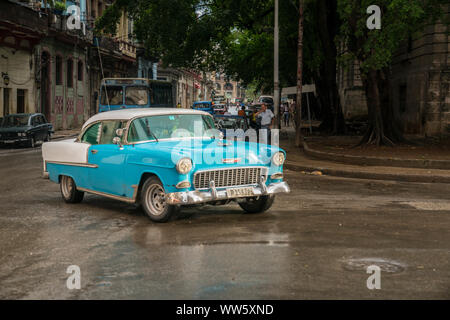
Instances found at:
x=420 y=82
x=18 y=66
x=351 y=91
x=63 y=97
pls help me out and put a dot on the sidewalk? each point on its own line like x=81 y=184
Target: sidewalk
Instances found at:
x=297 y=160
x=65 y=134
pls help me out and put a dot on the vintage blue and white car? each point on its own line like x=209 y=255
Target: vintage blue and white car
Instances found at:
x=163 y=159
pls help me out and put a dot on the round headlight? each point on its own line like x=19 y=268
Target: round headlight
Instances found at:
x=278 y=158
x=184 y=165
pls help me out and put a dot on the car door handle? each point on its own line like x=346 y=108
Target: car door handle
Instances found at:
x=94 y=151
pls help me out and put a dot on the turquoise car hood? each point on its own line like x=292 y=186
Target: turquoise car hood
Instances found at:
x=208 y=153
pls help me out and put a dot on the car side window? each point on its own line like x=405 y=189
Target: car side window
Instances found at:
x=109 y=131
x=92 y=135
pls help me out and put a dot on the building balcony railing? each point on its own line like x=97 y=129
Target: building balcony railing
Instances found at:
x=127 y=48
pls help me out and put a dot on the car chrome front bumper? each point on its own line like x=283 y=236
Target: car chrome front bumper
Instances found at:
x=194 y=197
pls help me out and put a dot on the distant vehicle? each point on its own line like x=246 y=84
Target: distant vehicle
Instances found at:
x=266 y=99
x=25 y=129
x=219 y=108
x=219 y=100
x=236 y=123
x=206 y=106
x=135 y=156
x=126 y=93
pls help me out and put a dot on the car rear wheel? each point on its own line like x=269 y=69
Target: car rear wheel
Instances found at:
x=153 y=201
x=69 y=191
x=257 y=204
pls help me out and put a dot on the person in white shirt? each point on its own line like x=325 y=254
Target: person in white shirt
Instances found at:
x=266 y=116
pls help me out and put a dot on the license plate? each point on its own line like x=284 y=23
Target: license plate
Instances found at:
x=240 y=192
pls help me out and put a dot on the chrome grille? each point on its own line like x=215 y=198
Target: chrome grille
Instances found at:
x=228 y=177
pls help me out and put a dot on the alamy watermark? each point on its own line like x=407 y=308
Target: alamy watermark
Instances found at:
x=74 y=280
x=374 y=20
x=374 y=281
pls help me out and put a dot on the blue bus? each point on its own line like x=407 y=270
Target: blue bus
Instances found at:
x=204 y=106
x=124 y=93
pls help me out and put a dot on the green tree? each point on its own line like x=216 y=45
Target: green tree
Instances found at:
x=374 y=50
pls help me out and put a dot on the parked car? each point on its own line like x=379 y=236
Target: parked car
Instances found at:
x=231 y=126
x=25 y=128
x=140 y=156
x=206 y=106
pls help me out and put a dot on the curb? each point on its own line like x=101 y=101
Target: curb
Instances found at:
x=376 y=161
x=370 y=175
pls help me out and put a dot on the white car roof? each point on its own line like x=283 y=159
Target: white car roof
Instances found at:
x=127 y=114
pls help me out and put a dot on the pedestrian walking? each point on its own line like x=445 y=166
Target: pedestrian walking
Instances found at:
x=286 y=114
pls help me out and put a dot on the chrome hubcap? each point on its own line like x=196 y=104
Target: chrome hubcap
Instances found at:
x=156 y=199
x=67 y=186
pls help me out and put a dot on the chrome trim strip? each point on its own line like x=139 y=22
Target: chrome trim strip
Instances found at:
x=75 y=164
x=195 y=197
x=112 y=196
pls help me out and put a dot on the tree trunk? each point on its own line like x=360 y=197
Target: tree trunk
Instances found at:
x=298 y=114
x=383 y=129
x=328 y=26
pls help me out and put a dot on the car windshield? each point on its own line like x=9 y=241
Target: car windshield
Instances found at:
x=266 y=100
x=15 y=121
x=112 y=95
x=170 y=126
x=229 y=123
x=136 y=96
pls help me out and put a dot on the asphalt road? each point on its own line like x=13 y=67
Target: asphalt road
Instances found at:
x=314 y=243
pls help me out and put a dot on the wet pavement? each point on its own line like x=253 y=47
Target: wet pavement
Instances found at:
x=314 y=243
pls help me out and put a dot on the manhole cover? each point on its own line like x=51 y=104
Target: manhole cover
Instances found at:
x=385 y=265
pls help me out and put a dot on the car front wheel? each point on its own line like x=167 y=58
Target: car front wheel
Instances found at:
x=257 y=204
x=69 y=191
x=153 y=201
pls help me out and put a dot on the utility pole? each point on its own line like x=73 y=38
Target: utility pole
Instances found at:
x=298 y=108
x=276 y=82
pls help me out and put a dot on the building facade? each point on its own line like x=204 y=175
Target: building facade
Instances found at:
x=419 y=84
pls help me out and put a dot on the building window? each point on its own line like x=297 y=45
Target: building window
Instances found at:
x=58 y=70
x=20 y=101
x=69 y=73
x=80 y=70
